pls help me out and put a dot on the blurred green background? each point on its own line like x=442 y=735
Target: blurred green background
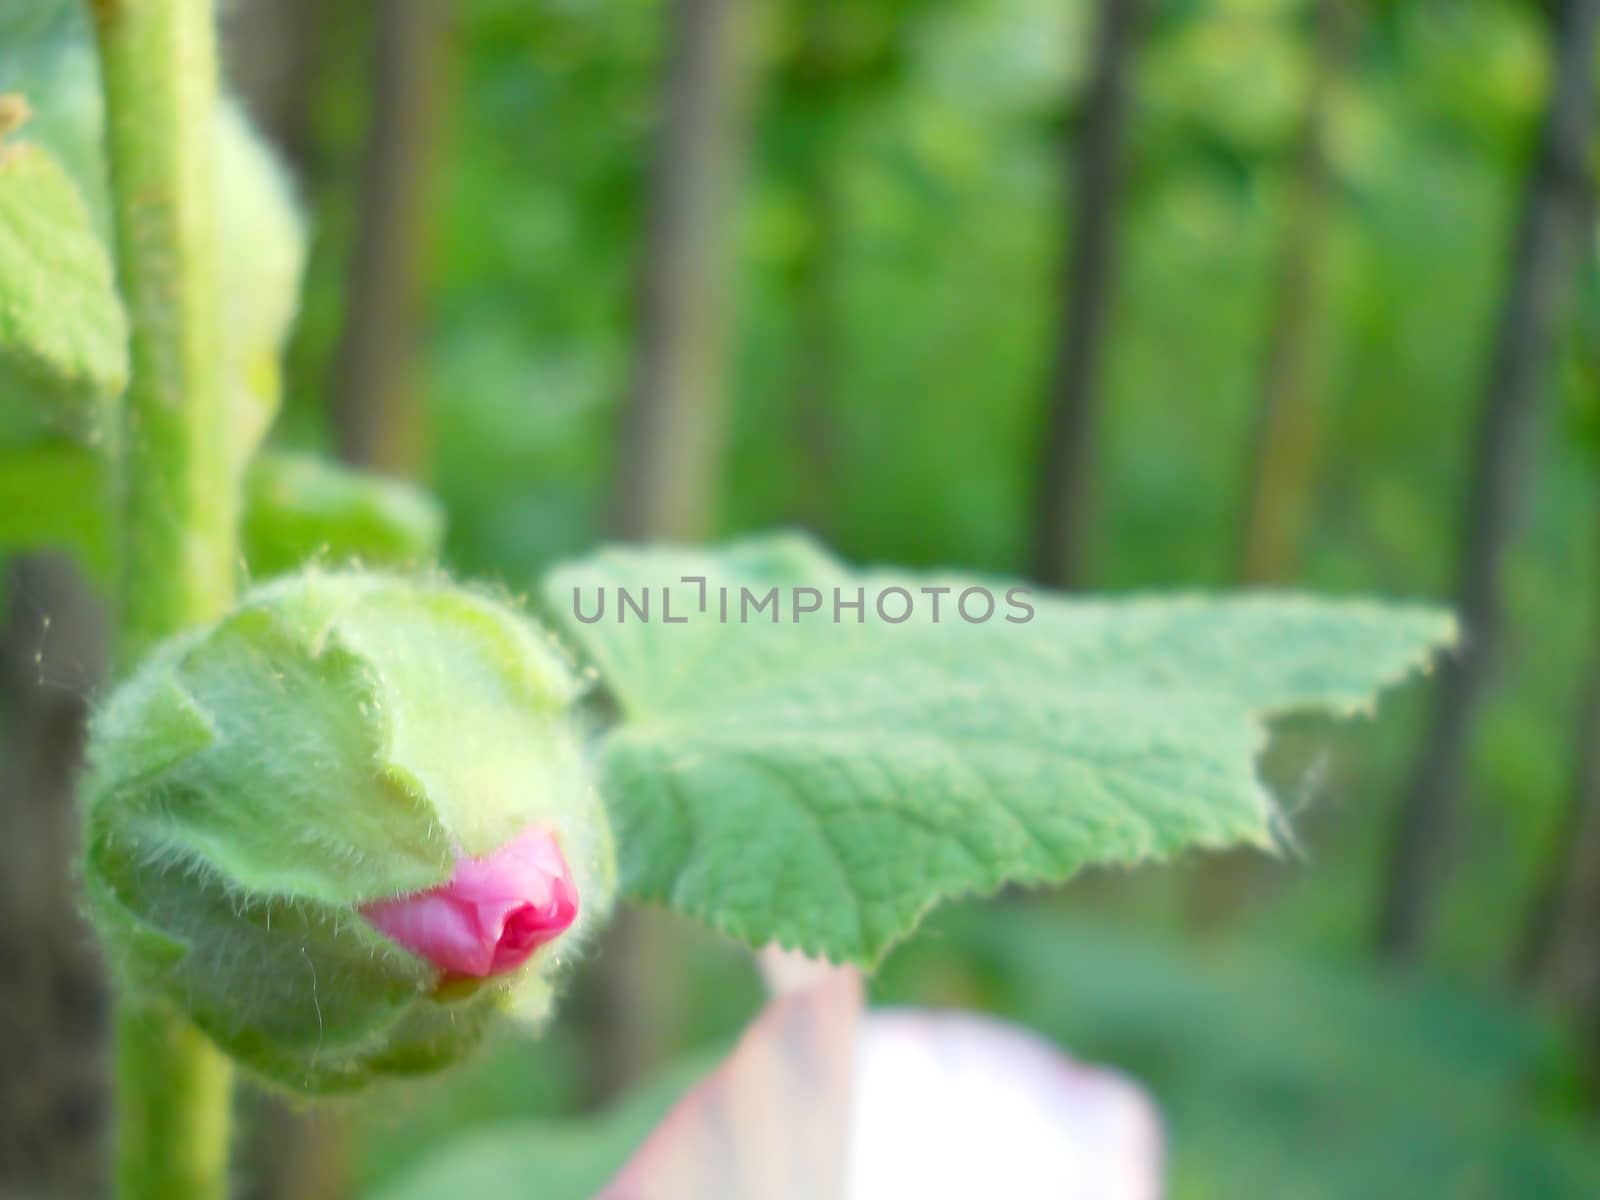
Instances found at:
x=900 y=197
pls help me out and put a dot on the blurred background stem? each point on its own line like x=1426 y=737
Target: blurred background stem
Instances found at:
x=1094 y=154
x=673 y=426
x=375 y=415
x=1281 y=470
x=1282 y=464
x=177 y=502
x=1542 y=271
x=1560 y=950
x=820 y=76
x=52 y=999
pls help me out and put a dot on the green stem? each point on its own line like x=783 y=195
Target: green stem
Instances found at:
x=173 y=1100
x=177 y=502
x=179 y=511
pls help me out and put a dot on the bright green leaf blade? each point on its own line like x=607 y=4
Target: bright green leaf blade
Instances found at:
x=822 y=785
x=299 y=508
x=63 y=333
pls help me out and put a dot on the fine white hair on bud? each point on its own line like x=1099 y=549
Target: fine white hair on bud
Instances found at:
x=346 y=825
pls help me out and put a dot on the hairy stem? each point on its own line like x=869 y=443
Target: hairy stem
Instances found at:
x=179 y=513
x=175 y=497
x=174 y=1092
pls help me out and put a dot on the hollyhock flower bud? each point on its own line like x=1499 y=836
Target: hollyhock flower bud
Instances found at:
x=345 y=826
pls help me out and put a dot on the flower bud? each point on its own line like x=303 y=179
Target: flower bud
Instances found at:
x=491 y=914
x=346 y=825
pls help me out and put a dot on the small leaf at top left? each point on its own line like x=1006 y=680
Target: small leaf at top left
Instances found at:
x=63 y=332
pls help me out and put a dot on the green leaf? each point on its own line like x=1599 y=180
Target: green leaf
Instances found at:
x=63 y=334
x=299 y=508
x=822 y=785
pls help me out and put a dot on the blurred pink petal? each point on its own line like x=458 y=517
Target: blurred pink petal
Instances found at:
x=958 y=1105
x=770 y=1123
x=492 y=914
x=821 y=1102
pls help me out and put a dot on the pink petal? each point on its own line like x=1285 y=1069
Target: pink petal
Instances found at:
x=773 y=1120
x=819 y=1099
x=492 y=914
x=952 y=1104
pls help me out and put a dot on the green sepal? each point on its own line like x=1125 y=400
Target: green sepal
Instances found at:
x=300 y=509
x=157 y=726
